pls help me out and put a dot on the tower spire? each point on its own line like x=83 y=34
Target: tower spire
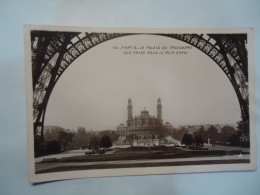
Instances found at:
x=129 y=109
x=159 y=109
x=129 y=121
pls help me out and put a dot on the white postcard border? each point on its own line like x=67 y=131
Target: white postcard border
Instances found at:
x=34 y=178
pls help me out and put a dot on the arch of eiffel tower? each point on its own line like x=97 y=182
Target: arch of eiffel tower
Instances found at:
x=54 y=51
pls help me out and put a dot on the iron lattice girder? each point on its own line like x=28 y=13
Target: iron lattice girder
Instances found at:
x=53 y=52
x=214 y=49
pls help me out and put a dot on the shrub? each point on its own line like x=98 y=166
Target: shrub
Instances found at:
x=53 y=147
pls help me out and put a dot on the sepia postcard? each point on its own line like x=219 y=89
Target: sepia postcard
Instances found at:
x=123 y=101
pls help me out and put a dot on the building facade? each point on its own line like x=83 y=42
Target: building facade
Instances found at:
x=144 y=124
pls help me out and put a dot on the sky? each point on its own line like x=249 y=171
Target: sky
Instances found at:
x=94 y=90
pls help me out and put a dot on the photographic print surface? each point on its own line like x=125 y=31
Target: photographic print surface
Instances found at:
x=114 y=102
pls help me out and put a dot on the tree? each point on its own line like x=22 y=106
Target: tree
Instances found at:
x=212 y=131
x=161 y=131
x=198 y=140
x=226 y=132
x=213 y=134
x=94 y=143
x=187 y=139
x=52 y=132
x=243 y=127
x=105 y=142
x=47 y=135
x=178 y=134
x=204 y=135
x=64 y=138
x=234 y=139
x=80 y=139
x=112 y=134
x=53 y=147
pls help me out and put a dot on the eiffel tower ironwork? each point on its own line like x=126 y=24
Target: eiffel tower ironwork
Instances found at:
x=53 y=52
